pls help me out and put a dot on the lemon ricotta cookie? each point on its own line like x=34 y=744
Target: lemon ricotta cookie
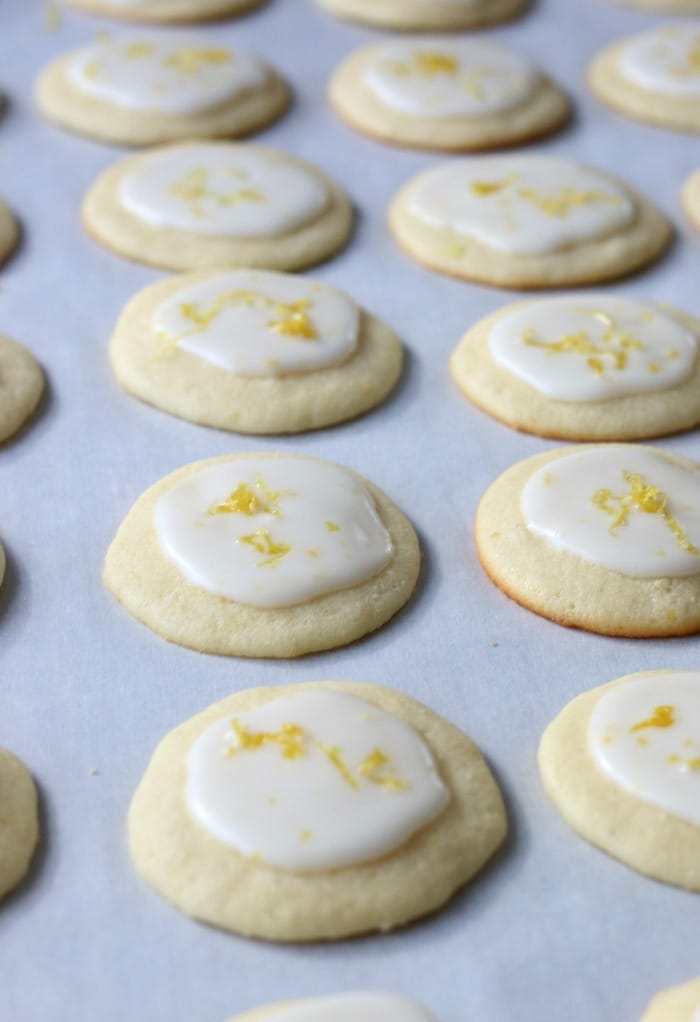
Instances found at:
x=254 y=352
x=352 y=1007
x=314 y=812
x=214 y=205
x=21 y=387
x=584 y=367
x=691 y=198
x=679 y=1004
x=448 y=94
x=166 y=11
x=19 y=826
x=526 y=222
x=427 y=15
x=139 y=90
x=653 y=77
x=601 y=537
x=622 y=764
x=9 y=232
x=263 y=555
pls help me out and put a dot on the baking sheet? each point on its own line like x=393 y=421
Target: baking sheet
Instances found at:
x=553 y=929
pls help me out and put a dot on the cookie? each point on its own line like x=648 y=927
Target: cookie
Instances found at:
x=166 y=11
x=355 y=1007
x=654 y=76
x=19 y=826
x=427 y=15
x=602 y=537
x=432 y=93
x=691 y=198
x=254 y=352
x=584 y=367
x=263 y=555
x=680 y=1004
x=9 y=232
x=218 y=205
x=139 y=90
x=21 y=387
x=622 y=764
x=314 y=812
x=526 y=222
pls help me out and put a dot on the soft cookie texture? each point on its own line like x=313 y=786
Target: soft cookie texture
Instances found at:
x=140 y=91
x=157 y=369
x=691 y=198
x=432 y=93
x=527 y=222
x=641 y=596
x=427 y=15
x=153 y=588
x=9 y=232
x=216 y=205
x=651 y=77
x=210 y=880
x=584 y=368
x=640 y=833
x=679 y=1004
x=354 y=1007
x=166 y=11
x=21 y=387
x=19 y=826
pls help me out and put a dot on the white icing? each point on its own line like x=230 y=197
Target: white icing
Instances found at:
x=645 y=735
x=314 y=530
x=163 y=74
x=351 y=1008
x=223 y=189
x=566 y=502
x=522 y=204
x=432 y=77
x=666 y=60
x=593 y=347
x=260 y=324
x=319 y=794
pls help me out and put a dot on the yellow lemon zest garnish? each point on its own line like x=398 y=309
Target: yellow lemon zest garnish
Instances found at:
x=493 y=187
x=262 y=541
x=332 y=527
x=643 y=497
x=306 y=835
x=191 y=59
x=137 y=51
x=334 y=757
x=613 y=347
x=428 y=63
x=372 y=764
x=693 y=764
x=194 y=189
x=250 y=500
x=290 y=738
x=663 y=716
x=566 y=200
x=294 y=321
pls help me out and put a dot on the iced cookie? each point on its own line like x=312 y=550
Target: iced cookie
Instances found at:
x=437 y=93
x=654 y=76
x=427 y=15
x=265 y=555
x=341 y=1008
x=201 y=206
x=584 y=367
x=140 y=90
x=166 y=11
x=21 y=387
x=679 y=1004
x=604 y=538
x=314 y=812
x=691 y=198
x=254 y=352
x=526 y=222
x=622 y=764
x=9 y=232
x=19 y=826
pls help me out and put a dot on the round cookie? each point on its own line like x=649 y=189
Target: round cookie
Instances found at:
x=166 y=11
x=216 y=205
x=254 y=352
x=404 y=812
x=355 y=1007
x=9 y=232
x=433 y=93
x=691 y=198
x=653 y=77
x=584 y=367
x=19 y=826
x=602 y=537
x=141 y=90
x=427 y=15
x=526 y=222
x=21 y=387
x=618 y=764
x=263 y=555
x=679 y=1004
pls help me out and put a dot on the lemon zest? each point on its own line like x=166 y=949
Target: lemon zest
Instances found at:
x=262 y=541
x=663 y=716
x=372 y=764
x=291 y=738
x=645 y=497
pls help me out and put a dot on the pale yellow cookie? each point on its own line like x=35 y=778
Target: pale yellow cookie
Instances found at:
x=679 y=1004
x=445 y=94
x=427 y=15
x=19 y=826
x=323 y=604
x=236 y=328
x=214 y=205
x=21 y=387
x=604 y=763
x=210 y=879
x=588 y=537
x=166 y=11
x=9 y=232
x=580 y=368
x=140 y=91
x=691 y=198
